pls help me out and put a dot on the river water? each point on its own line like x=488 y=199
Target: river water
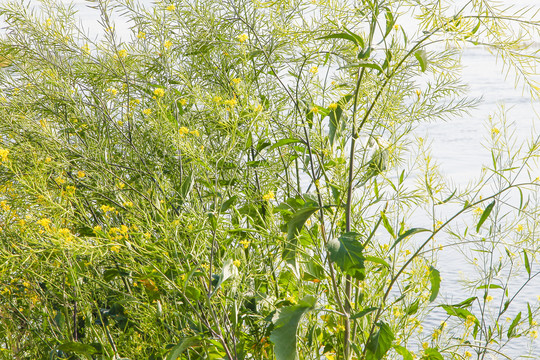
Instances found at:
x=457 y=146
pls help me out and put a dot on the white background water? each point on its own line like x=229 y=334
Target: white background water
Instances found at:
x=457 y=147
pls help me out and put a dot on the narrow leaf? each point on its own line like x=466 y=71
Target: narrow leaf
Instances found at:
x=177 y=350
x=285 y=142
x=435 y=279
x=421 y=56
x=363 y=313
x=387 y=225
x=527 y=263
x=511 y=330
x=406 y=234
x=485 y=215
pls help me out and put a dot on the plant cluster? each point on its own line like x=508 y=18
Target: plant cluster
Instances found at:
x=238 y=180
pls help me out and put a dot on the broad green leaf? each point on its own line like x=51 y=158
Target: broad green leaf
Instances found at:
x=294 y=227
x=403 y=352
x=485 y=215
x=435 y=280
x=527 y=264
x=432 y=354
x=511 y=330
x=380 y=342
x=286 y=322
x=346 y=252
x=228 y=271
x=177 y=350
x=413 y=308
x=364 y=312
x=421 y=56
x=407 y=233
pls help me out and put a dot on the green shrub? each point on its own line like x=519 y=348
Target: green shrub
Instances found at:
x=239 y=180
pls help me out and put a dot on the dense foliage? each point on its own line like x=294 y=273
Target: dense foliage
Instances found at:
x=239 y=180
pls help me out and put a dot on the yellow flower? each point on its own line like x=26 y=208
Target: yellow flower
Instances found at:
x=60 y=180
x=534 y=334
x=519 y=228
x=425 y=345
x=467 y=354
x=195 y=132
x=315 y=110
x=64 y=232
x=141 y=35
x=106 y=208
x=183 y=130
x=48 y=22
x=217 y=99
x=396 y=27
x=269 y=196
x=80 y=174
x=236 y=80
x=183 y=102
x=236 y=263
x=242 y=37
x=418 y=92
x=230 y=102
x=159 y=92
x=115 y=248
x=168 y=44
x=120 y=185
x=124 y=229
x=97 y=228
x=489 y=298
x=45 y=222
x=495 y=131
x=127 y=204
x=113 y=91
x=85 y=49
x=147 y=111
x=4 y=155
x=48 y=159
x=478 y=211
x=245 y=243
x=314 y=70
x=122 y=53
x=332 y=106
x=171 y=7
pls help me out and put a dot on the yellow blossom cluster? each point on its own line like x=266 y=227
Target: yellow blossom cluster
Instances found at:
x=159 y=92
x=106 y=208
x=269 y=196
x=147 y=111
x=171 y=7
x=112 y=91
x=184 y=130
x=332 y=106
x=245 y=243
x=168 y=44
x=4 y=155
x=242 y=37
x=118 y=233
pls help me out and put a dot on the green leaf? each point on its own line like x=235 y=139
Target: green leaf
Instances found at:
x=390 y=21
x=485 y=215
x=511 y=330
x=228 y=271
x=348 y=35
x=490 y=286
x=177 y=350
x=432 y=354
x=380 y=342
x=435 y=280
x=407 y=233
x=377 y=260
x=78 y=348
x=421 y=56
x=285 y=142
x=459 y=312
x=530 y=315
x=346 y=252
x=364 y=312
x=286 y=322
x=465 y=303
x=413 y=308
x=369 y=65
x=294 y=227
x=527 y=263
x=403 y=352
x=387 y=225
